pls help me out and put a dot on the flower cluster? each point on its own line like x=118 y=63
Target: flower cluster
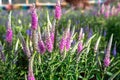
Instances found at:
x=107 y=10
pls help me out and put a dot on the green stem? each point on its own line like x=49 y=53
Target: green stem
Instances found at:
x=55 y=39
x=31 y=59
x=76 y=71
x=103 y=74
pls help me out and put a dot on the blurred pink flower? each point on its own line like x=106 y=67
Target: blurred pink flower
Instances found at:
x=107 y=13
x=102 y=10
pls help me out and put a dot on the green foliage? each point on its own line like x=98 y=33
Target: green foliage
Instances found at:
x=71 y=65
x=113 y=26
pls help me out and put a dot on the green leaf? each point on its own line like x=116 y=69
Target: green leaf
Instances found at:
x=113 y=76
x=109 y=73
x=98 y=77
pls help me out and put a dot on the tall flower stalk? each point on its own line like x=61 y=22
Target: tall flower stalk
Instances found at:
x=97 y=45
x=58 y=10
x=41 y=45
x=58 y=13
x=30 y=68
x=34 y=27
x=107 y=54
x=80 y=38
x=65 y=42
x=9 y=32
x=48 y=42
x=24 y=45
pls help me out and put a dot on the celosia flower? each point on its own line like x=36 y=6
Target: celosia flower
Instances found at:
x=58 y=10
x=34 y=21
x=41 y=47
x=9 y=35
x=68 y=42
x=62 y=44
x=49 y=44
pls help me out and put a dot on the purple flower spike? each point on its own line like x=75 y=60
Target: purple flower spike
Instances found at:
x=52 y=37
x=114 y=50
x=68 y=42
x=49 y=44
x=9 y=35
x=80 y=47
x=62 y=44
x=58 y=10
x=107 y=55
x=106 y=61
x=34 y=21
x=41 y=47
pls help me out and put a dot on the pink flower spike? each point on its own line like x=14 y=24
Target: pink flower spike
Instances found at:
x=41 y=47
x=49 y=44
x=68 y=42
x=58 y=10
x=80 y=47
x=34 y=21
x=52 y=36
x=106 y=61
x=62 y=44
x=9 y=35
